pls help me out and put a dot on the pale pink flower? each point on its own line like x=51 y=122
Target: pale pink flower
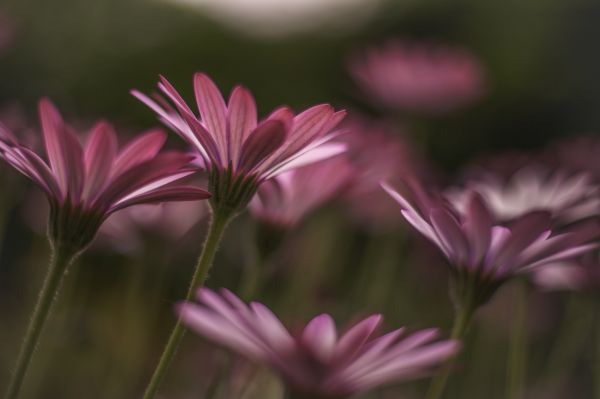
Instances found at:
x=239 y=152
x=569 y=197
x=415 y=77
x=86 y=184
x=580 y=274
x=482 y=251
x=288 y=198
x=378 y=153
x=317 y=362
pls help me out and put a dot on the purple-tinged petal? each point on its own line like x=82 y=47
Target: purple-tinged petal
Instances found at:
x=165 y=194
x=138 y=150
x=261 y=143
x=242 y=121
x=220 y=330
x=478 y=228
x=523 y=233
x=63 y=149
x=320 y=336
x=213 y=110
x=353 y=340
x=99 y=155
x=142 y=177
x=450 y=235
x=410 y=365
x=307 y=157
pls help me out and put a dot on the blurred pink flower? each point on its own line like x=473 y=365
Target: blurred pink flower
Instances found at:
x=288 y=198
x=127 y=230
x=480 y=248
x=568 y=197
x=317 y=362
x=378 y=153
x=84 y=185
x=414 y=77
x=580 y=274
x=238 y=152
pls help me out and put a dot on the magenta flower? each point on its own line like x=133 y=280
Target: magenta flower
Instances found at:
x=316 y=363
x=238 y=152
x=288 y=198
x=86 y=184
x=414 y=77
x=483 y=253
x=569 y=197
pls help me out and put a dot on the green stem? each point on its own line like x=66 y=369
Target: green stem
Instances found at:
x=60 y=260
x=462 y=320
x=215 y=233
x=518 y=345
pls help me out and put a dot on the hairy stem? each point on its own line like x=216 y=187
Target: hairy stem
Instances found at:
x=217 y=227
x=60 y=260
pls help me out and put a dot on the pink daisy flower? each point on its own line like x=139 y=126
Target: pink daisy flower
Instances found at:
x=237 y=150
x=317 y=363
x=413 y=77
x=483 y=253
x=86 y=184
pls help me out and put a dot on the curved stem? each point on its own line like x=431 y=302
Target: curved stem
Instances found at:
x=518 y=345
x=60 y=260
x=462 y=320
x=215 y=233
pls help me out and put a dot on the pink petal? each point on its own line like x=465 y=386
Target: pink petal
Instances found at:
x=63 y=149
x=212 y=110
x=478 y=228
x=523 y=233
x=307 y=157
x=261 y=143
x=99 y=155
x=352 y=341
x=143 y=175
x=320 y=336
x=138 y=150
x=166 y=194
x=450 y=234
x=220 y=330
x=242 y=120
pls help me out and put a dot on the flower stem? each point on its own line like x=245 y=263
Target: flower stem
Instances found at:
x=462 y=319
x=60 y=260
x=518 y=345
x=215 y=233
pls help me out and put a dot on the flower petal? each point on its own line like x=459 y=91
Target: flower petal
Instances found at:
x=213 y=110
x=99 y=155
x=261 y=143
x=242 y=121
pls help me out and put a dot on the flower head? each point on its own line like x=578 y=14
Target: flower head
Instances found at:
x=316 y=362
x=414 y=77
x=483 y=252
x=569 y=197
x=85 y=184
x=286 y=199
x=239 y=152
